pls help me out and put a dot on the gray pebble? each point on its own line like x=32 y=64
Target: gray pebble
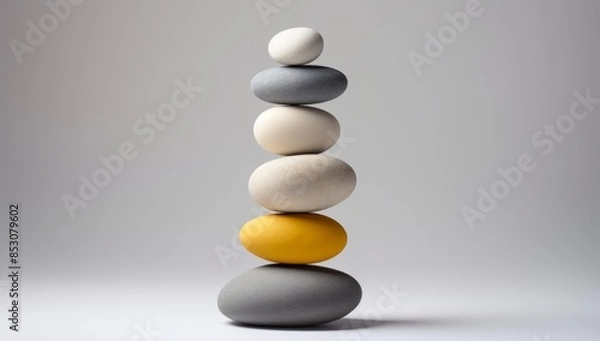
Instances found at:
x=289 y=296
x=298 y=84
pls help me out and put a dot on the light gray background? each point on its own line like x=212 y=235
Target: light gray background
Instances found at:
x=142 y=253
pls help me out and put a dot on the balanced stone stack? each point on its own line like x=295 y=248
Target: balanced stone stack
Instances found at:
x=302 y=181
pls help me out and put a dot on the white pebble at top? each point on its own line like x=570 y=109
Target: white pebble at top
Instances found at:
x=296 y=46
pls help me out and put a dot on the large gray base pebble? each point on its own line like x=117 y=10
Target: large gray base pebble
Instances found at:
x=289 y=296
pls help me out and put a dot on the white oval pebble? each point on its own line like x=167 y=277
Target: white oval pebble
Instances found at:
x=302 y=183
x=289 y=130
x=296 y=46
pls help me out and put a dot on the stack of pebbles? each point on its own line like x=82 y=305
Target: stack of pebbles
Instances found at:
x=290 y=292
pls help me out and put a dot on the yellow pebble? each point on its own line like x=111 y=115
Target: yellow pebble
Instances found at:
x=294 y=238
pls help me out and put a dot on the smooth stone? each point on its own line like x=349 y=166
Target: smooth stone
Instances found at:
x=289 y=296
x=289 y=130
x=294 y=238
x=302 y=183
x=296 y=46
x=298 y=84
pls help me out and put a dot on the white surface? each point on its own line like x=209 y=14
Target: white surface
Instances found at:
x=187 y=312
